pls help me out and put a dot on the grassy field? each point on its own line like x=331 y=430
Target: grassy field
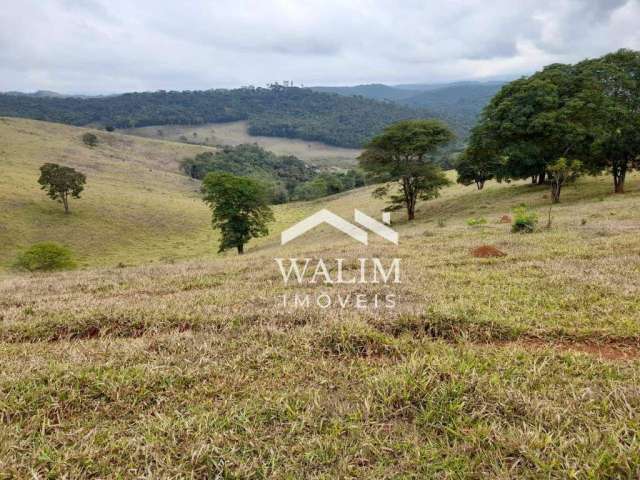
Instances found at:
x=522 y=366
x=235 y=133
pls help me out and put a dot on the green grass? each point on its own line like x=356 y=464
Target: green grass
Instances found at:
x=523 y=366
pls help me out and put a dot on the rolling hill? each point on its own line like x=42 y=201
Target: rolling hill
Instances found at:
x=525 y=365
x=458 y=103
x=137 y=206
x=276 y=111
x=236 y=133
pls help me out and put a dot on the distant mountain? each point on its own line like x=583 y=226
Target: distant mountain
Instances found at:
x=39 y=93
x=376 y=91
x=47 y=94
x=457 y=103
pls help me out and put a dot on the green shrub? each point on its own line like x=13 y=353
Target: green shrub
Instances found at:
x=90 y=139
x=474 y=222
x=45 y=257
x=524 y=220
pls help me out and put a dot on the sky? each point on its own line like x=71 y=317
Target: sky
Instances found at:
x=110 y=46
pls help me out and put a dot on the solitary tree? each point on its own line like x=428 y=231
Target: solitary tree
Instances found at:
x=400 y=155
x=59 y=182
x=239 y=206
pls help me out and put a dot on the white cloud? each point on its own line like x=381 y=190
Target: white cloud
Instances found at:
x=101 y=46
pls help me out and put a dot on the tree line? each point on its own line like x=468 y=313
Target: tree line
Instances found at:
x=275 y=111
x=558 y=124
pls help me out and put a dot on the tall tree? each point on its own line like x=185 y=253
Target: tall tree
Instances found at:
x=60 y=182
x=239 y=207
x=400 y=155
x=612 y=85
x=533 y=122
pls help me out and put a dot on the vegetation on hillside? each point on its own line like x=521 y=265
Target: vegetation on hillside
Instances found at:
x=288 y=177
x=587 y=114
x=399 y=158
x=239 y=207
x=458 y=105
x=61 y=182
x=277 y=111
x=46 y=256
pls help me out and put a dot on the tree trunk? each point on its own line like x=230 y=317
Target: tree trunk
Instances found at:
x=534 y=179
x=480 y=184
x=65 y=202
x=555 y=191
x=619 y=174
x=541 y=178
x=409 y=198
x=240 y=249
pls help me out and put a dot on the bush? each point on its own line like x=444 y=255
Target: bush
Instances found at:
x=474 y=222
x=45 y=257
x=90 y=139
x=524 y=220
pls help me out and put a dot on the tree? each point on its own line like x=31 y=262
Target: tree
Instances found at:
x=612 y=84
x=561 y=172
x=534 y=121
x=90 y=139
x=400 y=155
x=60 y=182
x=479 y=162
x=239 y=206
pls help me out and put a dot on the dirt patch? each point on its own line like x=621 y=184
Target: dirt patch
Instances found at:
x=505 y=219
x=487 y=251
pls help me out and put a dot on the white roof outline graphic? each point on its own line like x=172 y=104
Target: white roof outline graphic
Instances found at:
x=355 y=232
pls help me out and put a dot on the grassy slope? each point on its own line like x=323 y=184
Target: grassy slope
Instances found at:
x=235 y=133
x=193 y=368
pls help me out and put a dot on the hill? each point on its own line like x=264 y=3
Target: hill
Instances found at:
x=377 y=91
x=137 y=206
x=235 y=133
x=276 y=111
x=525 y=365
x=458 y=103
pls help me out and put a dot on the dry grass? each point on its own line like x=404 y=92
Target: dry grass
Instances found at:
x=235 y=133
x=487 y=368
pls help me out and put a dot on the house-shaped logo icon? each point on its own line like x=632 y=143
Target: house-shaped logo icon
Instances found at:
x=354 y=231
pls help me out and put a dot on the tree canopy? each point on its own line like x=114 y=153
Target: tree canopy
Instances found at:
x=239 y=207
x=59 y=182
x=587 y=114
x=400 y=155
x=287 y=177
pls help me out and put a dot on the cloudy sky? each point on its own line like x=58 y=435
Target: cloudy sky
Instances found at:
x=107 y=46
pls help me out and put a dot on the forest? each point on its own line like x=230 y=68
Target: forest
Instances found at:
x=275 y=111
